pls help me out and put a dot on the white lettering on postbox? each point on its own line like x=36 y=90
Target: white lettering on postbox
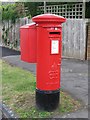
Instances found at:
x=55 y=47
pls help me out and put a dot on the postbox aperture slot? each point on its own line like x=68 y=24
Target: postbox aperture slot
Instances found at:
x=54 y=33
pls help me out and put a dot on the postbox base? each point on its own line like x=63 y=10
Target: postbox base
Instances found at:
x=47 y=100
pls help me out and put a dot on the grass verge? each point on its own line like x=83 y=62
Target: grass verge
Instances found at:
x=18 y=91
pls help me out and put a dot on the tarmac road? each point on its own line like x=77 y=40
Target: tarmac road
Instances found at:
x=7 y=52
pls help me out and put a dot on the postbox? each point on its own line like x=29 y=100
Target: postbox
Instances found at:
x=42 y=43
x=28 y=43
x=49 y=44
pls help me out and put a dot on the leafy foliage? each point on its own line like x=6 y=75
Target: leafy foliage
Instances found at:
x=11 y=11
x=10 y=14
x=32 y=8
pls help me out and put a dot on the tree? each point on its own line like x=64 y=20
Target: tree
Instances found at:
x=20 y=9
x=32 y=8
x=13 y=11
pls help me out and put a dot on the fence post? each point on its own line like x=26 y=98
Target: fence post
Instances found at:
x=83 y=9
x=44 y=7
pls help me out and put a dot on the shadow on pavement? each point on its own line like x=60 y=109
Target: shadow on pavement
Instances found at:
x=7 y=52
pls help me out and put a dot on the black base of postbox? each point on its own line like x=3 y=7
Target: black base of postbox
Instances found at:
x=47 y=100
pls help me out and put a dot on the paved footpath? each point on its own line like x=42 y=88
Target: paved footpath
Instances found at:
x=74 y=80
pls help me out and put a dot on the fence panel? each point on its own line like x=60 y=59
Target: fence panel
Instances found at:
x=10 y=32
x=75 y=10
x=74 y=38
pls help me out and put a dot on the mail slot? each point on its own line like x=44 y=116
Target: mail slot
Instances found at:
x=54 y=33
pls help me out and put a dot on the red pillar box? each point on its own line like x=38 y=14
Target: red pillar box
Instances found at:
x=28 y=43
x=49 y=42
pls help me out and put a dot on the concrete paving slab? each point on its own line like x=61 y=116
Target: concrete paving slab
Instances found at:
x=78 y=114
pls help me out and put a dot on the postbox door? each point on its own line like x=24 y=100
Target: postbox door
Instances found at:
x=49 y=58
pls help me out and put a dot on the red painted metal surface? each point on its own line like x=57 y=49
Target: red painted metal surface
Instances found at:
x=49 y=42
x=28 y=43
x=49 y=18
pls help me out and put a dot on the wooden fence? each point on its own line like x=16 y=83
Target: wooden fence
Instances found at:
x=88 y=41
x=74 y=37
x=11 y=32
x=75 y=10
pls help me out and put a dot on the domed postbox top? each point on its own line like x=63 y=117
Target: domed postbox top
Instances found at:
x=48 y=18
